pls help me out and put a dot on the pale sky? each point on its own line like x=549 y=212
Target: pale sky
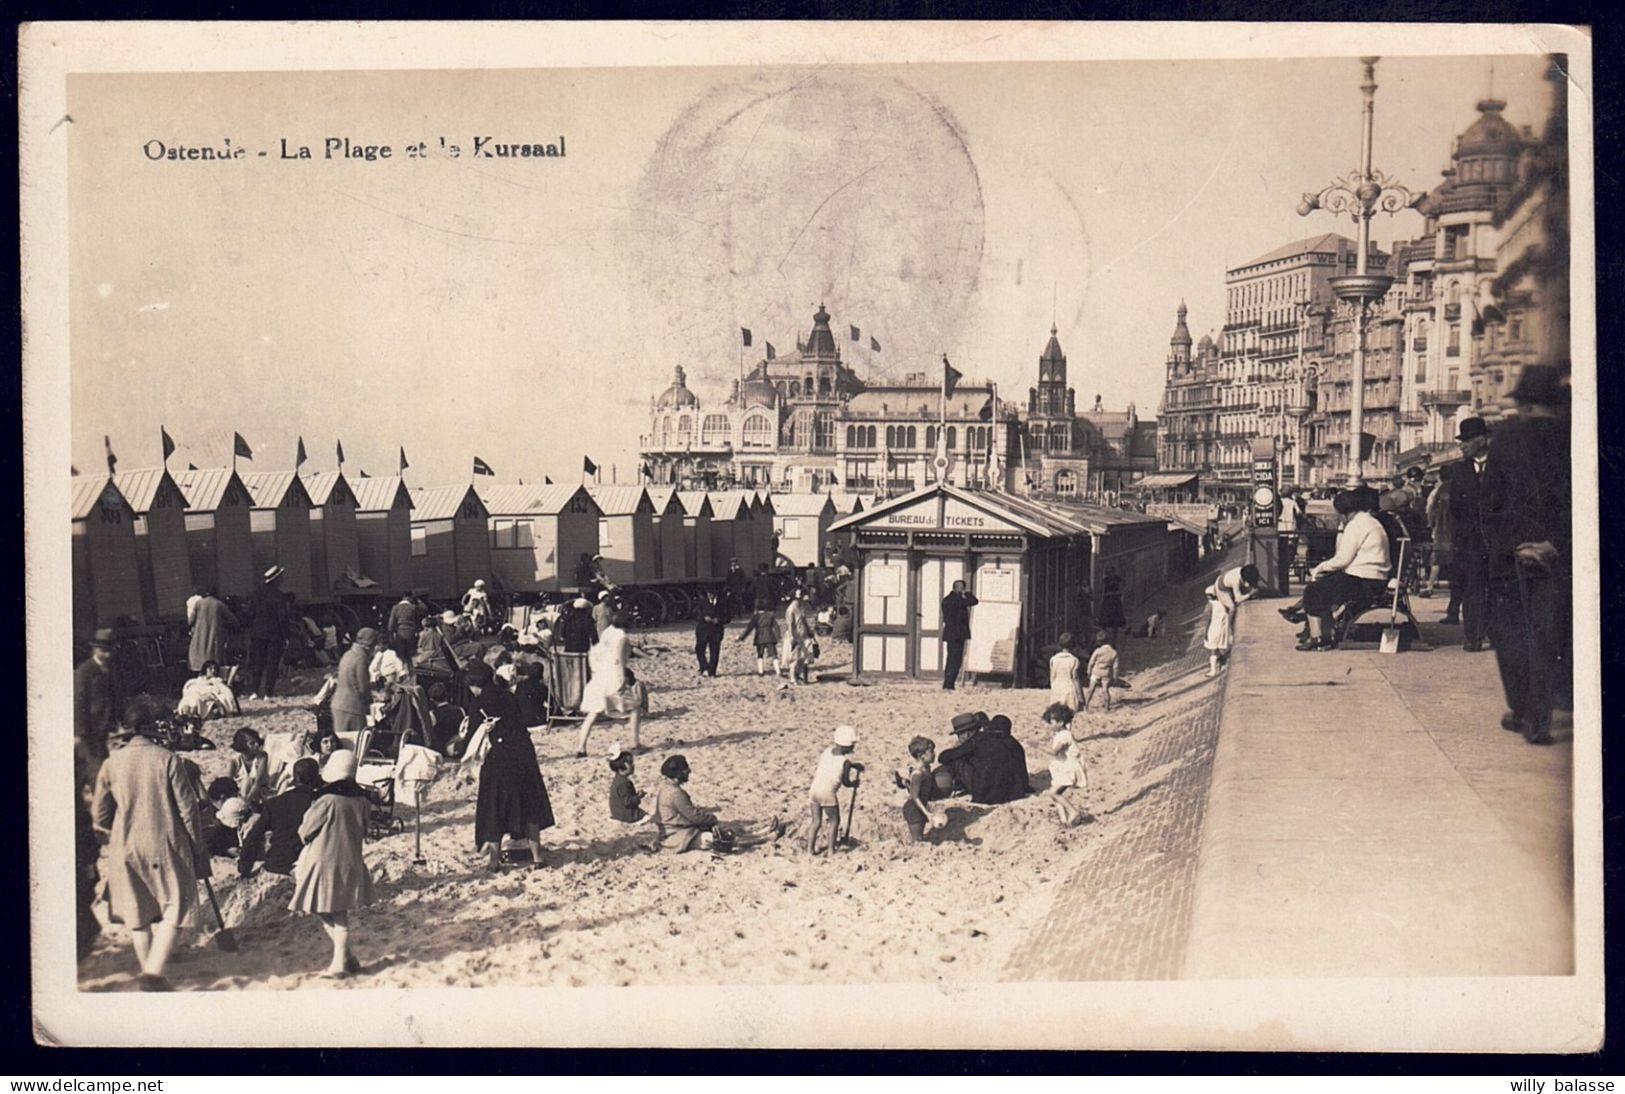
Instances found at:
x=526 y=310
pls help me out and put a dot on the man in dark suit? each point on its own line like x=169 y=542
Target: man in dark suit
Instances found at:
x=1465 y=482
x=96 y=705
x=267 y=635
x=956 y=608
x=737 y=589
x=1528 y=530
x=710 y=618
x=987 y=762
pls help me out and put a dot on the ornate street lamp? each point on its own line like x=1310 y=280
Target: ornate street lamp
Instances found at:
x=1360 y=194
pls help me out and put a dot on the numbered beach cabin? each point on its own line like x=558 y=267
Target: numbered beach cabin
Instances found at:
x=701 y=564
x=761 y=512
x=626 y=534
x=801 y=521
x=106 y=565
x=383 y=531
x=451 y=541
x=733 y=532
x=673 y=561
x=538 y=535
x=219 y=530
x=160 y=541
x=334 y=552
x=280 y=525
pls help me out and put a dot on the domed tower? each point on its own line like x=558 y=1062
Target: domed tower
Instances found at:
x=678 y=395
x=1179 y=346
x=1488 y=152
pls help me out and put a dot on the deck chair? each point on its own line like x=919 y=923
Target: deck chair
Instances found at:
x=1394 y=603
x=566 y=681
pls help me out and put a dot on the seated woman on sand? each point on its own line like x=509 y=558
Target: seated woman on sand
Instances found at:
x=683 y=827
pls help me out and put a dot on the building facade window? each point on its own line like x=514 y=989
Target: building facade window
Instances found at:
x=1066 y=483
x=823 y=431
x=758 y=432
x=714 y=429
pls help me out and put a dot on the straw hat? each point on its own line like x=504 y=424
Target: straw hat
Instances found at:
x=102 y=639
x=846 y=736
x=448 y=616
x=366 y=636
x=340 y=765
x=274 y=574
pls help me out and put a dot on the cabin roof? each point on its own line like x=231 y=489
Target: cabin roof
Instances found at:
x=802 y=505
x=523 y=500
x=205 y=489
x=618 y=501
x=441 y=502
x=140 y=486
x=269 y=488
x=88 y=491
x=381 y=494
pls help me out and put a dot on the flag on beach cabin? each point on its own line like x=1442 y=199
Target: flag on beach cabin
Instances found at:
x=404 y=464
x=744 y=332
x=112 y=460
x=340 y=446
x=482 y=468
x=874 y=344
x=588 y=466
x=300 y=457
x=950 y=377
x=239 y=447
x=856 y=337
x=770 y=351
x=167 y=443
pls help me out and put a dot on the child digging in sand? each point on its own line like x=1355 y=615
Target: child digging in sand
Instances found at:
x=835 y=770
x=1067 y=780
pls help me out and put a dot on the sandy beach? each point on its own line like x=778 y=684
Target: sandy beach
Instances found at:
x=604 y=911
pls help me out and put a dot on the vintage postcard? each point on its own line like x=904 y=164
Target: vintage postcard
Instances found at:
x=986 y=535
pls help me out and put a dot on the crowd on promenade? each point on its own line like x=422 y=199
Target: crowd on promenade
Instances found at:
x=1495 y=526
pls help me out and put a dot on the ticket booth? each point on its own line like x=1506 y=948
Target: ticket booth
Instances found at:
x=1023 y=563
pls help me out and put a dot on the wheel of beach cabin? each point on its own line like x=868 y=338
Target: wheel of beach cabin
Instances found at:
x=345 y=618
x=646 y=607
x=678 y=603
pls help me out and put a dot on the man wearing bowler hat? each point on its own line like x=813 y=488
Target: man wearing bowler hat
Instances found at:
x=96 y=705
x=267 y=635
x=1465 y=481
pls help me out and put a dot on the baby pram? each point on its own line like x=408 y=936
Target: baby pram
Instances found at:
x=405 y=722
x=566 y=680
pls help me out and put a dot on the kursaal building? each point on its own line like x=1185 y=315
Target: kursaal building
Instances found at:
x=805 y=421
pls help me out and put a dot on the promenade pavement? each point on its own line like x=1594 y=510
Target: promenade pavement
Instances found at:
x=1367 y=816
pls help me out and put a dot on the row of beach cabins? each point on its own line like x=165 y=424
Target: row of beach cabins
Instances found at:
x=144 y=540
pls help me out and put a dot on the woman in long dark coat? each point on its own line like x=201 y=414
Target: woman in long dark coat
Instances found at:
x=513 y=799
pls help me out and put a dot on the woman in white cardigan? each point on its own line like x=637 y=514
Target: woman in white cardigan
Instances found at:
x=1358 y=569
